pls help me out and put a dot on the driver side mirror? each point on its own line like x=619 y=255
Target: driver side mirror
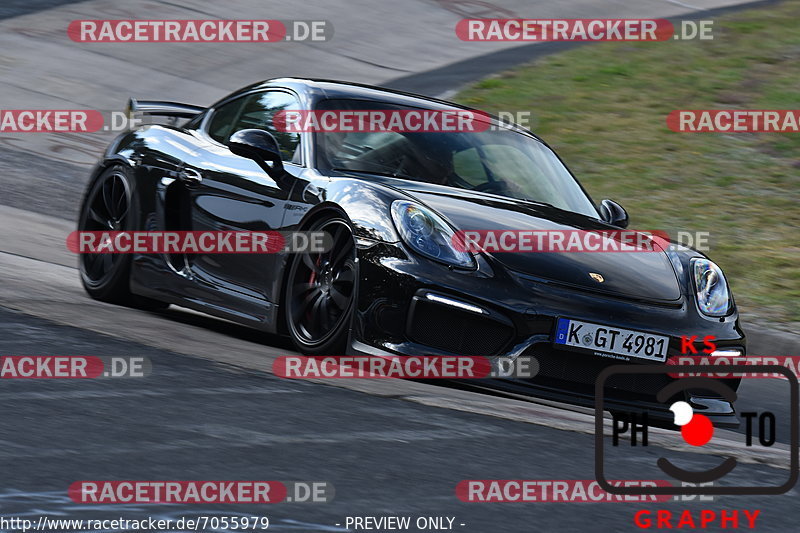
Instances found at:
x=613 y=213
x=261 y=147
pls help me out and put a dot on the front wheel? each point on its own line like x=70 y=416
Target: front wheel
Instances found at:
x=320 y=295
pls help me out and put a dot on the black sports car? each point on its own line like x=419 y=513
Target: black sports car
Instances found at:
x=393 y=282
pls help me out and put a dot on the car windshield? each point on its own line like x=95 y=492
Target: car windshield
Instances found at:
x=497 y=161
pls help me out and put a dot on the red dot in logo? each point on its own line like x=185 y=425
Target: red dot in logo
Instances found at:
x=698 y=431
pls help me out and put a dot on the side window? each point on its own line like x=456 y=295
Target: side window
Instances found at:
x=258 y=112
x=219 y=128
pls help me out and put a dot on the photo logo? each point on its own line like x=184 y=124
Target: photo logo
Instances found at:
x=696 y=430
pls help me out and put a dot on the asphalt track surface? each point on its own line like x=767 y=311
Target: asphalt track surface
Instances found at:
x=211 y=409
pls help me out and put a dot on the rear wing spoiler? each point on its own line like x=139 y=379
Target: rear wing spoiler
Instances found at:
x=162 y=109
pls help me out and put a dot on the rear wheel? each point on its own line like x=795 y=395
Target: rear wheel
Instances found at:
x=320 y=294
x=110 y=205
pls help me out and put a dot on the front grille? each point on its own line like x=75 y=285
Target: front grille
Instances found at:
x=581 y=368
x=453 y=330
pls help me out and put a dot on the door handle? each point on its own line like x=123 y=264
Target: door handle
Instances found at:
x=190 y=176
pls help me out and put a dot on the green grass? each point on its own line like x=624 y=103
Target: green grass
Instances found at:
x=603 y=108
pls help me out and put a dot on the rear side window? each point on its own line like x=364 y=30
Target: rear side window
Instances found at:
x=219 y=128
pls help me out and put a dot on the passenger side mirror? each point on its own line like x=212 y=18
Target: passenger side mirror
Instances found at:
x=613 y=213
x=261 y=147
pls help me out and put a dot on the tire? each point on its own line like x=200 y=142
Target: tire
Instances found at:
x=320 y=292
x=110 y=204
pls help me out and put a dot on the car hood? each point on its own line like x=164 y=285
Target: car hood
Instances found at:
x=638 y=275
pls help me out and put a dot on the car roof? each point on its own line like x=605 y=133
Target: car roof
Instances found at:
x=322 y=89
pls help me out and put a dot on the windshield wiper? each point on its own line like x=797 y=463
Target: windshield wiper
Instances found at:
x=386 y=173
x=538 y=202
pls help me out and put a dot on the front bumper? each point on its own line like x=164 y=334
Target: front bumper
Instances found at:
x=411 y=306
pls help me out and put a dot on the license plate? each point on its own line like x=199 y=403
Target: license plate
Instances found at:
x=576 y=334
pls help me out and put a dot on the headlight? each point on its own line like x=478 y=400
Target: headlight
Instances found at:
x=711 y=289
x=428 y=234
